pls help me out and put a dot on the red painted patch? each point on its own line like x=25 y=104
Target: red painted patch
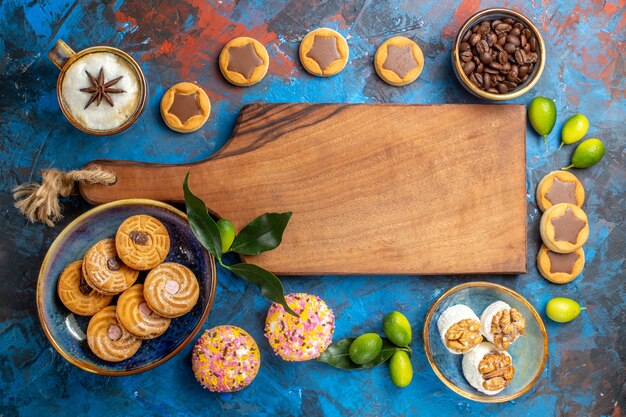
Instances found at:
x=462 y=13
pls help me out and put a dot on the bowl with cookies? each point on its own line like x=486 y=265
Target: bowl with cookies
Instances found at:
x=125 y=287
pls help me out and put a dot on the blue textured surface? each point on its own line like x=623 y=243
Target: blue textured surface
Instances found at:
x=180 y=41
x=184 y=249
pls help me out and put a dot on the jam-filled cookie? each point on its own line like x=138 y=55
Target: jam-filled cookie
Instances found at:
x=324 y=52
x=244 y=61
x=108 y=339
x=171 y=289
x=564 y=228
x=399 y=61
x=77 y=295
x=137 y=317
x=560 y=268
x=185 y=107
x=559 y=187
x=142 y=242
x=104 y=271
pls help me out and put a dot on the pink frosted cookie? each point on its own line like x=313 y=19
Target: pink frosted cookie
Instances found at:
x=304 y=338
x=225 y=359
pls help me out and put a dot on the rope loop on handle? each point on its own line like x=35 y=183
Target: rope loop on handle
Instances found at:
x=40 y=202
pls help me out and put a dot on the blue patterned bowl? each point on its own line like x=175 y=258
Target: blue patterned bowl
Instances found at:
x=66 y=331
x=529 y=352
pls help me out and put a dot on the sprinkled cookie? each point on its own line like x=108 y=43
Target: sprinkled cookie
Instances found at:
x=104 y=271
x=108 y=340
x=137 y=317
x=142 y=242
x=76 y=295
x=559 y=187
x=399 y=61
x=303 y=338
x=171 y=289
x=324 y=52
x=225 y=359
x=560 y=268
x=564 y=228
x=185 y=107
x=244 y=61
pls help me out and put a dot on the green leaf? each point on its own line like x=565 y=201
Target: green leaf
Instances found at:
x=262 y=234
x=202 y=224
x=270 y=285
x=338 y=355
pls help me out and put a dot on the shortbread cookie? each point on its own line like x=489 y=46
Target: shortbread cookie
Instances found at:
x=185 y=107
x=399 y=61
x=137 y=317
x=77 y=295
x=560 y=268
x=324 y=52
x=564 y=228
x=171 y=289
x=559 y=187
x=104 y=271
x=108 y=339
x=142 y=242
x=244 y=61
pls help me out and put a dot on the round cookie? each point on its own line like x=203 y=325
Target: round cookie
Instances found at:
x=137 y=317
x=303 y=338
x=244 y=61
x=108 y=340
x=564 y=228
x=185 y=107
x=225 y=359
x=323 y=52
x=399 y=61
x=560 y=268
x=104 y=271
x=171 y=289
x=142 y=242
x=559 y=187
x=77 y=295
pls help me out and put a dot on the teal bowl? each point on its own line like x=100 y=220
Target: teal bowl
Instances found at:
x=529 y=352
x=66 y=331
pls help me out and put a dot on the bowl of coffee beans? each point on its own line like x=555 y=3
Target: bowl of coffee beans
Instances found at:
x=498 y=54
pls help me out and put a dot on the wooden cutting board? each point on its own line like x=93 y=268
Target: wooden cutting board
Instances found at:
x=374 y=189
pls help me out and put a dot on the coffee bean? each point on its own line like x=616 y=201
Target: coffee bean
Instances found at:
x=511 y=85
x=474 y=39
x=524 y=78
x=501 y=40
x=464 y=46
x=482 y=47
x=468 y=67
x=503 y=57
x=502 y=89
x=496 y=66
x=487 y=81
x=512 y=39
x=485 y=27
x=474 y=79
x=466 y=56
x=509 y=21
x=506 y=68
x=493 y=90
x=486 y=58
x=522 y=40
x=516 y=31
x=510 y=48
x=520 y=57
x=523 y=70
x=495 y=23
x=467 y=36
x=480 y=67
x=527 y=48
x=491 y=71
x=533 y=44
x=512 y=76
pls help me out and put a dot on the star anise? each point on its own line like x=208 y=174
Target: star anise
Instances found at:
x=101 y=89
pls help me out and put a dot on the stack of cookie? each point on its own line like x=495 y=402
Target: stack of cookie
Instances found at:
x=112 y=267
x=564 y=227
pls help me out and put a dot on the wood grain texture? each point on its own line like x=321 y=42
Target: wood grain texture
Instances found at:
x=374 y=189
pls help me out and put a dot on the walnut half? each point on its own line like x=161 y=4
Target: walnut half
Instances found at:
x=464 y=335
x=506 y=326
x=497 y=371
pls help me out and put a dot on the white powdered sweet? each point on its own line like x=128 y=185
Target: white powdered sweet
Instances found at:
x=453 y=315
x=103 y=117
x=472 y=359
x=487 y=317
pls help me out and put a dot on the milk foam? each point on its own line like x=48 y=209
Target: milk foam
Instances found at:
x=102 y=117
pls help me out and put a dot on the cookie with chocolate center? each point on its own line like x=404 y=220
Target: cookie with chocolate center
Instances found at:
x=244 y=61
x=108 y=339
x=142 y=242
x=399 y=61
x=324 y=52
x=77 y=295
x=564 y=228
x=560 y=268
x=185 y=107
x=559 y=187
x=104 y=271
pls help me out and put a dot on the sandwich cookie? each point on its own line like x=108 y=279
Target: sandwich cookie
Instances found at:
x=108 y=339
x=104 y=271
x=76 y=295
x=137 y=317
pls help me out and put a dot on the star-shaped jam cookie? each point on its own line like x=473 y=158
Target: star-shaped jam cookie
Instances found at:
x=400 y=60
x=324 y=51
x=562 y=192
x=185 y=106
x=243 y=59
x=567 y=227
x=100 y=89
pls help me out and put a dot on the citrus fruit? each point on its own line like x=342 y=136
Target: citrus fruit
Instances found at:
x=397 y=328
x=227 y=233
x=542 y=115
x=400 y=369
x=574 y=129
x=587 y=154
x=365 y=348
x=562 y=309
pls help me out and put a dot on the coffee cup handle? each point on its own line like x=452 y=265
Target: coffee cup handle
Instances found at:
x=60 y=53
